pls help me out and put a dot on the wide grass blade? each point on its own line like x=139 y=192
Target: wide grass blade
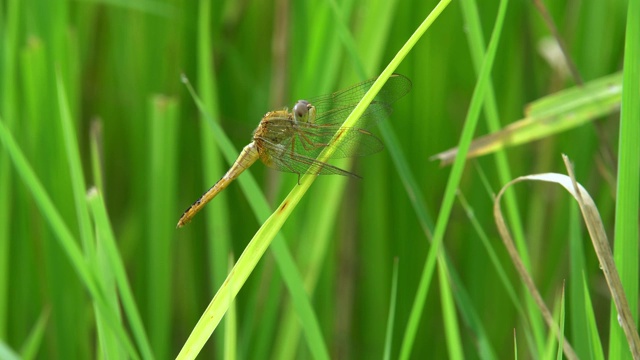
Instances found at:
x=549 y=116
x=8 y=110
x=627 y=234
x=161 y=200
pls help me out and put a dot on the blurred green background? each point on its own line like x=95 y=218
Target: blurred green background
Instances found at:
x=144 y=144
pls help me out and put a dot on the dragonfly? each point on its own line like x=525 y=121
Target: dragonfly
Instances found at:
x=291 y=140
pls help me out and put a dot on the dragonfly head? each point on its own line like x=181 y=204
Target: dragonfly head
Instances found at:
x=303 y=111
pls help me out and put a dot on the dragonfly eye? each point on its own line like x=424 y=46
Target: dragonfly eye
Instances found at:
x=301 y=109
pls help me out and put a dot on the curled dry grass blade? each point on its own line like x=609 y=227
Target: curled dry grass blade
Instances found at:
x=600 y=244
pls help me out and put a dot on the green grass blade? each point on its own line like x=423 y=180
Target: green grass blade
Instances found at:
x=163 y=130
x=230 y=329
x=580 y=332
x=45 y=145
x=454 y=343
x=452 y=183
x=107 y=341
x=392 y=312
x=97 y=154
x=75 y=169
x=562 y=323
x=108 y=345
x=8 y=110
x=217 y=212
x=594 y=339
x=552 y=345
x=627 y=234
x=116 y=266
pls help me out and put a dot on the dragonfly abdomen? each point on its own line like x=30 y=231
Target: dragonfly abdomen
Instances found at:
x=247 y=157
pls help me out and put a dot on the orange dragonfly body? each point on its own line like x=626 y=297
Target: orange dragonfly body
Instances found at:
x=291 y=141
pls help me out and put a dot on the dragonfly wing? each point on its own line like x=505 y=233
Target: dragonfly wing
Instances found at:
x=396 y=87
x=310 y=139
x=276 y=157
x=371 y=115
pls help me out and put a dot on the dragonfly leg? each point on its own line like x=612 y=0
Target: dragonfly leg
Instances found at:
x=308 y=145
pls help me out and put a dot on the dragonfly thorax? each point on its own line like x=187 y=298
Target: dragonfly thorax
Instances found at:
x=275 y=127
